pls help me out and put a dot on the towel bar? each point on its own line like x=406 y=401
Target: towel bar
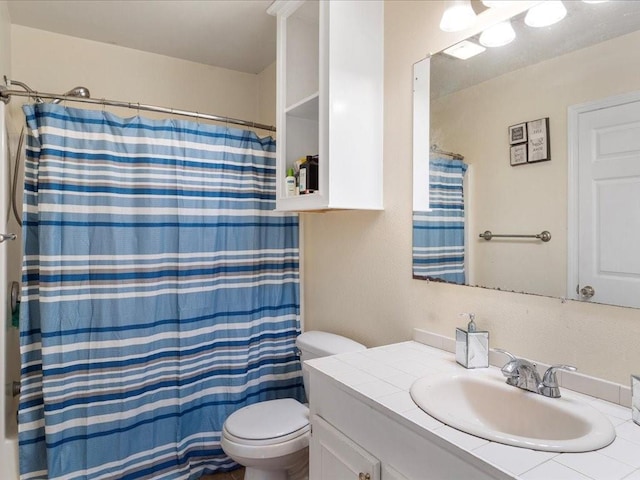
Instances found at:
x=545 y=236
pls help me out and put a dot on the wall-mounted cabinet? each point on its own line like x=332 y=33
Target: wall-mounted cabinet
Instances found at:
x=330 y=100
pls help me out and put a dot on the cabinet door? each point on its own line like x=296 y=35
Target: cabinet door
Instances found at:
x=329 y=102
x=333 y=456
x=390 y=473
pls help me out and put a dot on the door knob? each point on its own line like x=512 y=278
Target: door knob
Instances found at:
x=587 y=291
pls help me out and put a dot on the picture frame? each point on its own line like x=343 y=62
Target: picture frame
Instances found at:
x=518 y=154
x=518 y=133
x=539 y=144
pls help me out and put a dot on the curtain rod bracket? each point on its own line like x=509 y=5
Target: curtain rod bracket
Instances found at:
x=435 y=149
x=5 y=98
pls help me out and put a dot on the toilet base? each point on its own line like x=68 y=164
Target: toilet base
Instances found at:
x=257 y=474
x=299 y=470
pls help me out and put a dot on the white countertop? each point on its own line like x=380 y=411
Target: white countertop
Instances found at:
x=381 y=377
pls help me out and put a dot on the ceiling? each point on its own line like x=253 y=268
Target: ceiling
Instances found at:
x=234 y=34
x=584 y=25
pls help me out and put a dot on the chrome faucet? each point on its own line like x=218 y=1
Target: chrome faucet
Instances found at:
x=524 y=374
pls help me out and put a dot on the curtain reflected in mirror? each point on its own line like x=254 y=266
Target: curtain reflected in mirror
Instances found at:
x=439 y=233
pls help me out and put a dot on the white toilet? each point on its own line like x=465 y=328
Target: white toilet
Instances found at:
x=271 y=439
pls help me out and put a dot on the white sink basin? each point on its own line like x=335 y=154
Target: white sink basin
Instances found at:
x=479 y=402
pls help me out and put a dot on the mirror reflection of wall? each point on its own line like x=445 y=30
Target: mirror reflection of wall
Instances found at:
x=472 y=119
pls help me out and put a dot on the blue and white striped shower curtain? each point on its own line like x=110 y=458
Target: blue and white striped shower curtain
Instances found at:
x=161 y=293
x=438 y=234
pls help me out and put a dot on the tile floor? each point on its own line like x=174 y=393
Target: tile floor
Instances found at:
x=235 y=475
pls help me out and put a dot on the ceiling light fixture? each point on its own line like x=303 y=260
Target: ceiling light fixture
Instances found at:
x=595 y=1
x=498 y=35
x=458 y=15
x=465 y=49
x=545 y=13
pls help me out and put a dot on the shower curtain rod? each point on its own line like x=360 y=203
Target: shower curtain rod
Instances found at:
x=6 y=94
x=456 y=156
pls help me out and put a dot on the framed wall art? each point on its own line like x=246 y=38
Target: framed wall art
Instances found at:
x=517 y=133
x=539 y=148
x=518 y=154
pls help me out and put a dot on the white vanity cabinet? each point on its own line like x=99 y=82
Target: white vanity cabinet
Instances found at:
x=336 y=456
x=330 y=100
x=350 y=437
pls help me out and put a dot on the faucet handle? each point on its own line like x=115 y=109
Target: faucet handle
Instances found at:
x=509 y=368
x=549 y=379
x=549 y=386
x=508 y=354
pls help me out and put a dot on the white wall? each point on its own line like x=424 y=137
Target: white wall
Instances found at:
x=9 y=363
x=528 y=198
x=358 y=264
x=8 y=337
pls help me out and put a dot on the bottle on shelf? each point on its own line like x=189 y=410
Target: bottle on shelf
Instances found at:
x=290 y=184
x=302 y=175
x=309 y=175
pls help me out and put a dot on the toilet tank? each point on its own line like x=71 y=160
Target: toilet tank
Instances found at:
x=317 y=344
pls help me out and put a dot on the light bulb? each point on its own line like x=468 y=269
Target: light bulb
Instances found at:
x=545 y=13
x=458 y=15
x=498 y=35
x=464 y=50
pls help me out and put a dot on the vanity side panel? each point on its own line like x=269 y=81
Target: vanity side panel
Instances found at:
x=427 y=457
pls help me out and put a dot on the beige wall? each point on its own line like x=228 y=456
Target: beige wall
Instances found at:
x=528 y=198
x=267 y=95
x=5 y=41
x=52 y=62
x=358 y=264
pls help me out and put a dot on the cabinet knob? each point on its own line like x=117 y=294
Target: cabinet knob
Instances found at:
x=364 y=476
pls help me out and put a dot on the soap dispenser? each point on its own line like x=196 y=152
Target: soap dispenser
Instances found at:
x=472 y=346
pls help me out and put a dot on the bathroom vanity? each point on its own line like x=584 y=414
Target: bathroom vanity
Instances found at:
x=365 y=426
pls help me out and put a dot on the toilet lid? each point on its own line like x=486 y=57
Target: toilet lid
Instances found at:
x=267 y=420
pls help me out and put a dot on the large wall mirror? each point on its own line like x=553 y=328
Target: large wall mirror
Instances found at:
x=585 y=63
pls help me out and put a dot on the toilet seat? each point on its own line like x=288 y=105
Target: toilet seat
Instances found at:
x=256 y=450
x=283 y=429
x=266 y=441
x=268 y=423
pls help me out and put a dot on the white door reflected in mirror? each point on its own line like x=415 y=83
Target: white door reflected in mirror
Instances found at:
x=605 y=160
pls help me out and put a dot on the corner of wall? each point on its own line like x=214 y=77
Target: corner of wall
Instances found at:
x=266 y=95
x=5 y=40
